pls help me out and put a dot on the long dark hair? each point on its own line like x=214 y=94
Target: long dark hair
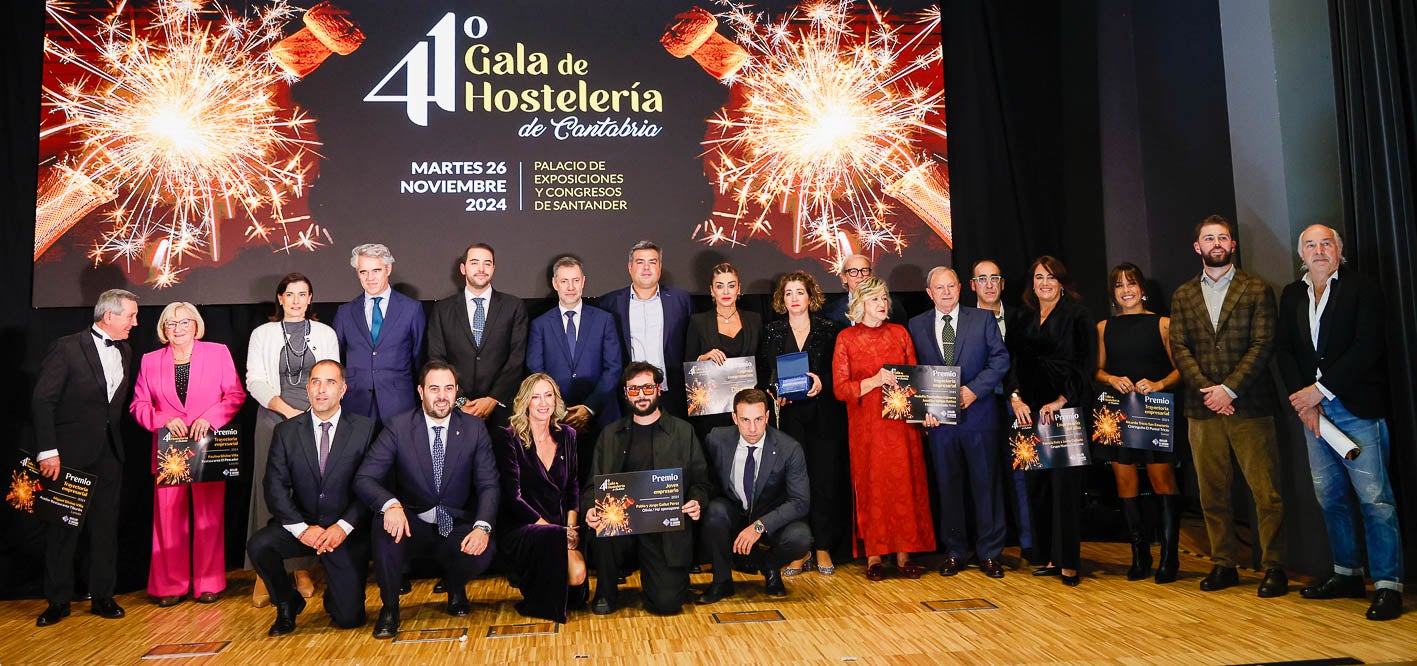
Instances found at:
x=1059 y=271
x=289 y=279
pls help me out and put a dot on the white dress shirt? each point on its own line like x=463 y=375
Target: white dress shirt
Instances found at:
x=647 y=329
x=296 y=529
x=383 y=306
x=431 y=516
x=1316 y=313
x=1214 y=291
x=740 y=456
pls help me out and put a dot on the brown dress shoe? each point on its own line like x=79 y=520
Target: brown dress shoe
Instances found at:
x=169 y=602
x=992 y=568
x=912 y=570
x=303 y=584
x=951 y=566
x=260 y=596
x=876 y=572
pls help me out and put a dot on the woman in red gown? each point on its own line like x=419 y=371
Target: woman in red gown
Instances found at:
x=887 y=460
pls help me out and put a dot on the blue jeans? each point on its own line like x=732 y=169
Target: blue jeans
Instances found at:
x=1339 y=482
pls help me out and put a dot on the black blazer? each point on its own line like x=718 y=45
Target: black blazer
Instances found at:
x=780 y=489
x=295 y=490
x=402 y=455
x=778 y=339
x=703 y=333
x=496 y=368
x=1351 y=351
x=71 y=409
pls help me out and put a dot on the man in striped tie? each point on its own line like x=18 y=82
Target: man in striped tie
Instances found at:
x=441 y=463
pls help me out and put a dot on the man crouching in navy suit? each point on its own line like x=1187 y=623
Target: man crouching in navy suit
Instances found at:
x=441 y=462
x=310 y=489
x=763 y=502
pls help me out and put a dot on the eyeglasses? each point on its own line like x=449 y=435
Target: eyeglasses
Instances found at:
x=647 y=389
x=987 y=279
x=174 y=324
x=857 y=272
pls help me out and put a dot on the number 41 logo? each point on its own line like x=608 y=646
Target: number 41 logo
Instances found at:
x=414 y=65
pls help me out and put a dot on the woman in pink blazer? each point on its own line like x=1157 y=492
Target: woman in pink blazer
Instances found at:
x=190 y=387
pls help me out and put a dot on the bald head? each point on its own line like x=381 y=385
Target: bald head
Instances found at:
x=1321 y=250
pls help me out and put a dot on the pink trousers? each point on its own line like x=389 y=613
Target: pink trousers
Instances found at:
x=189 y=540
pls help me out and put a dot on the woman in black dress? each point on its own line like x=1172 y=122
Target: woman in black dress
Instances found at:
x=1134 y=354
x=817 y=422
x=536 y=457
x=1053 y=368
x=720 y=334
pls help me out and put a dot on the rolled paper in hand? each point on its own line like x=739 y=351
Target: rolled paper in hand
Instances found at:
x=1336 y=440
x=926 y=191
x=694 y=33
x=328 y=29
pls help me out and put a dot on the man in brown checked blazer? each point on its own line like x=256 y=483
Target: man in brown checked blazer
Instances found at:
x=1222 y=339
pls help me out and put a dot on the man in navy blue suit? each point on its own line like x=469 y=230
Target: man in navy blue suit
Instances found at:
x=380 y=339
x=968 y=338
x=652 y=319
x=577 y=345
x=440 y=462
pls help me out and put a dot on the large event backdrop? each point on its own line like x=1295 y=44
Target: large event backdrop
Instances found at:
x=1023 y=98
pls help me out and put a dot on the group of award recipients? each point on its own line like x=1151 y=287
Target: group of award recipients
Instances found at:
x=486 y=453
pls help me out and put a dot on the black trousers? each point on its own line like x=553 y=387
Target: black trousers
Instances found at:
x=829 y=470
x=61 y=542
x=726 y=518
x=346 y=569
x=665 y=588
x=1055 y=507
x=458 y=567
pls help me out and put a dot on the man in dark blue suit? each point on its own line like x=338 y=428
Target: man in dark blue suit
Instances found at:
x=310 y=489
x=380 y=339
x=855 y=269
x=968 y=338
x=577 y=345
x=440 y=462
x=653 y=320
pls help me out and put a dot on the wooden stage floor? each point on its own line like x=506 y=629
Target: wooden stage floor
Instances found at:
x=837 y=619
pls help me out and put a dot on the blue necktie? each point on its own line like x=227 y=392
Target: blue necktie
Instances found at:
x=479 y=320
x=445 y=521
x=750 y=473
x=571 y=331
x=376 y=321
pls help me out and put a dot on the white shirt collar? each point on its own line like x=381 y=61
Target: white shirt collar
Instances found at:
x=579 y=304
x=653 y=297
x=1226 y=277
x=1309 y=280
x=101 y=335
x=435 y=422
x=954 y=315
x=486 y=294
x=333 y=420
x=383 y=294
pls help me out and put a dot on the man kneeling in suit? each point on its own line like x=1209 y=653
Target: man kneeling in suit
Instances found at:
x=763 y=502
x=441 y=462
x=310 y=490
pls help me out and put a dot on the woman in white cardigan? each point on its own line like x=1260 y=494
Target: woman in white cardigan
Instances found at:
x=278 y=364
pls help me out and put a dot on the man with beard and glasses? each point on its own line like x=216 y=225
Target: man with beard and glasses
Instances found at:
x=1223 y=326
x=645 y=440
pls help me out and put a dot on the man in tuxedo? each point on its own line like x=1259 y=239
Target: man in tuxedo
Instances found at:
x=653 y=320
x=1333 y=359
x=78 y=404
x=482 y=333
x=1222 y=341
x=951 y=334
x=432 y=475
x=577 y=345
x=854 y=269
x=309 y=488
x=380 y=336
x=763 y=498
x=647 y=439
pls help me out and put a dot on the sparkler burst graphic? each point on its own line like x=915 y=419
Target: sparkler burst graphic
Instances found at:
x=23 y=490
x=827 y=129
x=1024 y=447
x=1107 y=426
x=614 y=515
x=176 y=121
x=895 y=401
x=173 y=466
x=698 y=394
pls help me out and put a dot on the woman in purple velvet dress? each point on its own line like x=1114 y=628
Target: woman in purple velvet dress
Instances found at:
x=537 y=461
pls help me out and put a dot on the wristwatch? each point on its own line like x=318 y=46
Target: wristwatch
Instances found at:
x=485 y=529
x=759 y=527
x=462 y=400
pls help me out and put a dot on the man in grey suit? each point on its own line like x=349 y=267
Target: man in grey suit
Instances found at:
x=761 y=509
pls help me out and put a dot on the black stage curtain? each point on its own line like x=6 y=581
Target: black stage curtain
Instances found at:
x=1375 y=73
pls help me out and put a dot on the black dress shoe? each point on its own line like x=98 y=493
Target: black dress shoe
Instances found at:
x=1220 y=578
x=285 y=617
x=717 y=591
x=458 y=605
x=1275 y=584
x=56 y=612
x=440 y=587
x=82 y=596
x=951 y=566
x=992 y=568
x=106 y=608
x=1387 y=605
x=772 y=583
x=1070 y=581
x=387 y=626
x=1048 y=571
x=169 y=602
x=604 y=604
x=405 y=585
x=1338 y=586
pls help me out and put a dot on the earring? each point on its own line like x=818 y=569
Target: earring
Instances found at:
x=1144 y=297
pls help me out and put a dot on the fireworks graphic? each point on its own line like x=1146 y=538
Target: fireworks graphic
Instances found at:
x=176 y=124
x=23 y=490
x=1024 y=447
x=173 y=467
x=1107 y=426
x=895 y=401
x=830 y=114
x=614 y=515
x=698 y=397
